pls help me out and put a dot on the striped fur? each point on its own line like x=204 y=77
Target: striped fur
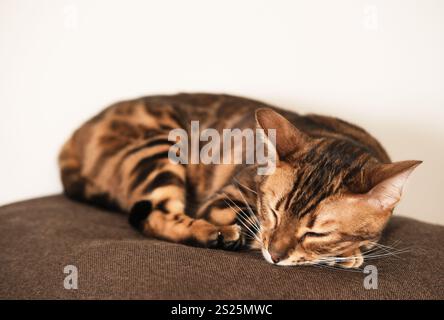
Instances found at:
x=119 y=159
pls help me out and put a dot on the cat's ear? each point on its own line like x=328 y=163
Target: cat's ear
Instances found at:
x=387 y=181
x=288 y=137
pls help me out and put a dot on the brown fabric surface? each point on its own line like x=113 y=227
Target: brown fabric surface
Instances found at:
x=39 y=237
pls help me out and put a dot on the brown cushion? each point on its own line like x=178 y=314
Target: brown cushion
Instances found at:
x=39 y=237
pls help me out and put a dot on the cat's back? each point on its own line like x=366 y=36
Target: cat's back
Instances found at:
x=227 y=111
x=223 y=111
x=335 y=128
x=118 y=135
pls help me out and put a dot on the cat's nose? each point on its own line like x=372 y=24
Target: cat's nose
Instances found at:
x=279 y=247
x=276 y=256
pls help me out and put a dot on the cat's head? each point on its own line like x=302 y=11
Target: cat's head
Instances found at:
x=327 y=198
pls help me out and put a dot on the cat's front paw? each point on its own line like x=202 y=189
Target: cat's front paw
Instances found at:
x=230 y=237
x=218 y=237
x=351 y=260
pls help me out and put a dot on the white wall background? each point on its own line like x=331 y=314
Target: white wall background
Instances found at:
x=376 y=63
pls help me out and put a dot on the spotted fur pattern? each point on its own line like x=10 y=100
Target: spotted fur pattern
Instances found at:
x=305 y=212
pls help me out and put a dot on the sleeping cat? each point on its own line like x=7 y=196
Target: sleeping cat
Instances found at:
x=332 y=192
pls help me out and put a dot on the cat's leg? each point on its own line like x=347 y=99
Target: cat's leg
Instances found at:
x=232 y=207
x=157 y=208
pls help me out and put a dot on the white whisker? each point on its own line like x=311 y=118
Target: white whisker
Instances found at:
x=315 y=264
x=251 y=211
x=253 y=234
x=238 y=182
x=244 y=215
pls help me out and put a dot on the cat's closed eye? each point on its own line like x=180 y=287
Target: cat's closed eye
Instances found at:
x=314 y=235
x=275 y=217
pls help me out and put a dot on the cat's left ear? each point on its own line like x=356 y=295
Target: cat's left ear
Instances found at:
x=288 y=137
x=388 y=181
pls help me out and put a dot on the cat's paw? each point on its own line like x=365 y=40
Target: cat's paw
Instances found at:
x=351 y=260
x=230 y=237
x=218 y=237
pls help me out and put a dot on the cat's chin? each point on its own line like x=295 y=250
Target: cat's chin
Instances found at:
x=283 y=263
x=287 y=263
x=267 y=256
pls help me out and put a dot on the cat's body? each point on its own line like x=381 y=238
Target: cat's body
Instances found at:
x=120 y=159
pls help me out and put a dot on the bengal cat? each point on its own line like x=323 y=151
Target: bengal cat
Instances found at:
x=332 y=192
